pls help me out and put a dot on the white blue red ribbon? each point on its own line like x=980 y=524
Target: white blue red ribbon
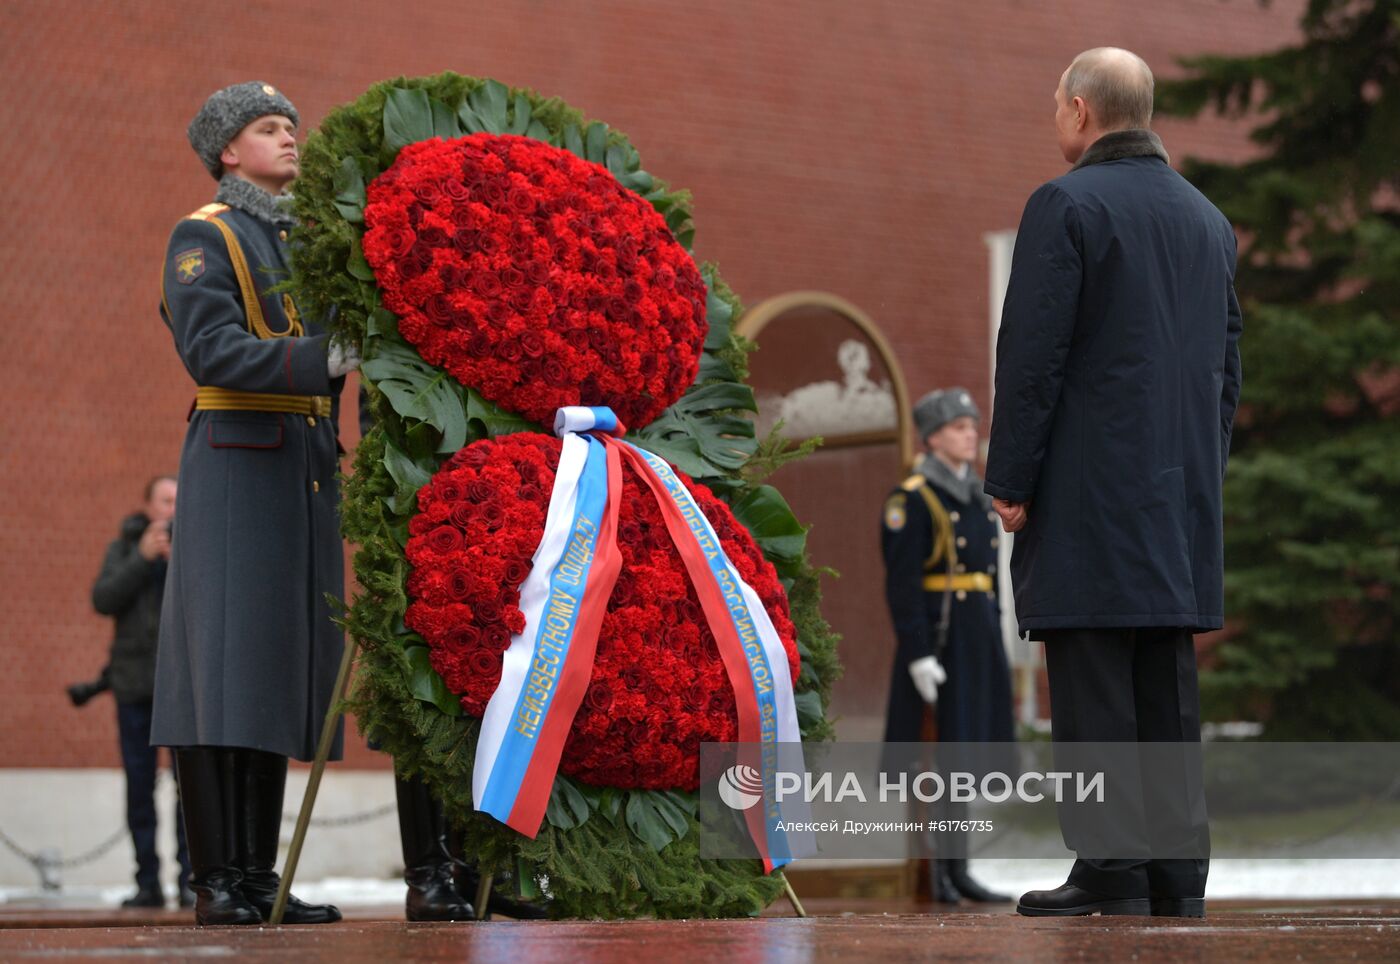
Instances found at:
x=548 y=666
x=546 y=669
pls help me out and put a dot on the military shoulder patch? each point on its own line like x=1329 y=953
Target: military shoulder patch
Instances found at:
x=895 y=514
x=189 y=265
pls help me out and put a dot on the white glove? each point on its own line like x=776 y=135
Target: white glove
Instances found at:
x=927 y=674
x=341 y=360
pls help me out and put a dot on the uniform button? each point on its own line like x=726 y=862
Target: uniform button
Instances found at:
x=954 y=516
x=962 y=568
x=962 y=594
x=992 y=516
x=281 y=235
x=995 y=543
x=311 y=420
x=962 y=541
x=991 y=568
x=315 y=486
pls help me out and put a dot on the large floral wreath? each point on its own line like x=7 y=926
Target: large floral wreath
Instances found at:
x=498 y=257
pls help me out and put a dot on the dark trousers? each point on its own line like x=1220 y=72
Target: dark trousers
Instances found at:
x=1135 y=686
x=139 y=761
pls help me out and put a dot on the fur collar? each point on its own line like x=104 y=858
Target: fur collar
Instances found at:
x=964 y=488
x=1116 y=145
x=251 y=199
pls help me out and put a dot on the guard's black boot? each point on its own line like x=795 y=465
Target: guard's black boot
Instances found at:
x=263 y=778
x=942 y=889
x=205 y=775
x=427 y=864
x=971 y=889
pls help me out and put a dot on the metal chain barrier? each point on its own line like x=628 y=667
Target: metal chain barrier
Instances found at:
x=348 y=820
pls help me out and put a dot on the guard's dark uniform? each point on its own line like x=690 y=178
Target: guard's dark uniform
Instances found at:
x=248 y=654
x=920 y=521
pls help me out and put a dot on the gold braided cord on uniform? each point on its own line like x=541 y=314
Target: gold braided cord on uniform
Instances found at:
x=257 y=324
x=942 y=525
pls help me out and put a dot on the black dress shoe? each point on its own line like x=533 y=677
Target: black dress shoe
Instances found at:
x=187 y=896
x=1178 y=907
x=971 y=889
x=1067 y=900
x=145 y=897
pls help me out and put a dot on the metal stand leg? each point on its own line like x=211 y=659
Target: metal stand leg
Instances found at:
x=308 y=800
x=792 y=897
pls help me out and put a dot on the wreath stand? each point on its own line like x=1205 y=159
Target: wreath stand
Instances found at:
x=313 y=785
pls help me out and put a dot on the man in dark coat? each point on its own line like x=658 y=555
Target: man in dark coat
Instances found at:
x=248 y=652
x=939 y=540
x=1118 y=373
x=129 y=589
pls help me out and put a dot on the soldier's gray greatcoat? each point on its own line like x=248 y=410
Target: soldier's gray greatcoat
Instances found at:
x=248 y=654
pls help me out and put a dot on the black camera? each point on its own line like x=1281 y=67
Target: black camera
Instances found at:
x=80 y=693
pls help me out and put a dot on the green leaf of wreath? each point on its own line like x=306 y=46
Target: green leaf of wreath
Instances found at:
x=488 y=102
x=445 y=122
x=350 y=191
x=426 y=685
x=656 y=818
x=568 y=807
x=420 y=391
x=520 y=115
x=356 y=265
x=408 y=118
x=809 y=708
x=596 y=142
x=407 y=474
x=489 y=420
x=766 y=514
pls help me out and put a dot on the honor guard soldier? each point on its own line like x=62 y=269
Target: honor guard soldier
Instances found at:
x=940 y=539
x=248 y=654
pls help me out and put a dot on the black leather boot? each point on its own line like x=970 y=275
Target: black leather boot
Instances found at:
x=263 y=779
x=971 y=889
x=205 y=776
x=942 y=889
x=427 y=864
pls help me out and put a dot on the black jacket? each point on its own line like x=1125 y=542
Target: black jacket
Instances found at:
x=1118 y=373
x=129 y=589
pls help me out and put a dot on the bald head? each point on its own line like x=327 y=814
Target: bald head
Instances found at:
x=1116 y=84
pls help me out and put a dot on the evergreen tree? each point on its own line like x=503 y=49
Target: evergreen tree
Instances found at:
x=1312 y=496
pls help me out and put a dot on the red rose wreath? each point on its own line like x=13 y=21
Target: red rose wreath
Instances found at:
x=534 y=277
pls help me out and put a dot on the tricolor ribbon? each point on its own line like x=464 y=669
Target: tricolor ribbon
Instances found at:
x=548 y=666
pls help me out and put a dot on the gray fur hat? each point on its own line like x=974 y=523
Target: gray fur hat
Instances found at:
x=227 y=112
x=940 y=407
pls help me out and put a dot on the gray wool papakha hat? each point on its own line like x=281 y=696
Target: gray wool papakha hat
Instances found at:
x=938 y=408
x=227 y=112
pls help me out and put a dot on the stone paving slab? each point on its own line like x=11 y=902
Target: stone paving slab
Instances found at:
x=1235 y=931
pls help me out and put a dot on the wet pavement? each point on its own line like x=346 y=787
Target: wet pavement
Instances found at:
x=839 y=930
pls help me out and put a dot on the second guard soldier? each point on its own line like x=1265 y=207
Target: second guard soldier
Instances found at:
x=940 y=539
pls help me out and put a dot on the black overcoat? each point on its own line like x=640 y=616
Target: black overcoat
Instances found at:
x=1118 y=373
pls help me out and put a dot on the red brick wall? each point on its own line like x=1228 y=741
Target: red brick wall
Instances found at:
x=862 y=148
